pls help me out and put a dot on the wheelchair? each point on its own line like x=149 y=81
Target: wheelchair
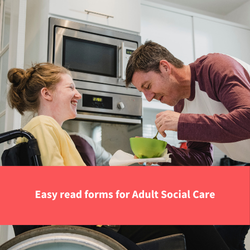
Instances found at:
x=66 y=237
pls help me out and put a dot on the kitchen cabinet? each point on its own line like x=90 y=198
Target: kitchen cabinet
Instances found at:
x=224 y=37
x=171 y=30
x=121 y=14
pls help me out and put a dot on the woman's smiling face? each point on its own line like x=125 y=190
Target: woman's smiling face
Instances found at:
x=64 y=99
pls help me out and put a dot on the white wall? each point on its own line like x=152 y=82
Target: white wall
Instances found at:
x=240 y=15
x=228 y=38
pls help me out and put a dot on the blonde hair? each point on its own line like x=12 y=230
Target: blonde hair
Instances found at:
x=26 y=85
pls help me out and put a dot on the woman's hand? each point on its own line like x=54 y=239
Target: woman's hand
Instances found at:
x=147 y=163
x=135 y=157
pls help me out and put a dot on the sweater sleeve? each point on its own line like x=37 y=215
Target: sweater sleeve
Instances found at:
x=224 y=80
x=197 y=154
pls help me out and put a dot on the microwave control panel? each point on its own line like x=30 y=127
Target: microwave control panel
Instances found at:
x=126 y=53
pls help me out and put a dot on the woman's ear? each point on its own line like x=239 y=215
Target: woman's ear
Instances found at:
x=46 y=94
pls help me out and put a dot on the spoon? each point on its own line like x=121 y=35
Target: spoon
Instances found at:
x=156 y=135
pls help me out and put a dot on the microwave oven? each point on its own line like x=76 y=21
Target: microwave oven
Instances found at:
x=92 y=54
x=97 y=58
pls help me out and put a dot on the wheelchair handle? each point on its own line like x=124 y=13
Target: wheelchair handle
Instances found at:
x=14 y=134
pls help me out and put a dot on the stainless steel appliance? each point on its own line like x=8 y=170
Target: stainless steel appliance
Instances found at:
x=108 y=112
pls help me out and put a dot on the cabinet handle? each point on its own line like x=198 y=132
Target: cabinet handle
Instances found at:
x=98 y=13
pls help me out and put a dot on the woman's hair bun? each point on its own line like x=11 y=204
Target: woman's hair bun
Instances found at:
x=16 y=76
x=25 y=88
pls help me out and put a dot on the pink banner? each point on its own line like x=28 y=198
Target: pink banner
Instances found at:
x=125 y=195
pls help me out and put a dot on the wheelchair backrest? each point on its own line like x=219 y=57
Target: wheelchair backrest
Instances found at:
x=23 y=154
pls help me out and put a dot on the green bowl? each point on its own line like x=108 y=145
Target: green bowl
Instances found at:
x=147 y=147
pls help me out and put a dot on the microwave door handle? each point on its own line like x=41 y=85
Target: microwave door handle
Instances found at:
x=122 y=73
x=119 y=62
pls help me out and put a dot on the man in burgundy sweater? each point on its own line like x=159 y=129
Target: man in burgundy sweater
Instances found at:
x=211 y=99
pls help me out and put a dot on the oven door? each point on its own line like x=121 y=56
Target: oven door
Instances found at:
x=91 y=57
x=112 y=135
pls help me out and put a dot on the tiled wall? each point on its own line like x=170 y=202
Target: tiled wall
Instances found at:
x=149 y=128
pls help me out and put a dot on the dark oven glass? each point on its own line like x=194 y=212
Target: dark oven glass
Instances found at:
x=89 y=57
x=110 y=135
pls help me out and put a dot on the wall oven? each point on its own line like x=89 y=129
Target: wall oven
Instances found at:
x=108 y=112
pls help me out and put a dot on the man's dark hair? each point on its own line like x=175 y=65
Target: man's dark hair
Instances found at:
x=147 y=58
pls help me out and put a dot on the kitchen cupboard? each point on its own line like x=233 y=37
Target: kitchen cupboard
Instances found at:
x=224 y=37
x=173 y=31
x=170 y=29
x=121 y=14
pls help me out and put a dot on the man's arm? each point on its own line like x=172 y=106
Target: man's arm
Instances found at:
x=226 y=82
x=197 y=154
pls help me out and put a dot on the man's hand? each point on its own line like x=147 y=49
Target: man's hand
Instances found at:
x=167 y=120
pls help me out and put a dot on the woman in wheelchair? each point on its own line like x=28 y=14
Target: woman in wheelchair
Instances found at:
x=49 y=92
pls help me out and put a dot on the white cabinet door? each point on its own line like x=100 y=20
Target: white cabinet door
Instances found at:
x=172 y=30
x=121 y=14
x=126 y=15
x=212 y=36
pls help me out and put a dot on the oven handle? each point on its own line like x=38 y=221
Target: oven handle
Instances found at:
x=108 y=119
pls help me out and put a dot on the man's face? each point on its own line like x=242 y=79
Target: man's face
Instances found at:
x=160 y=86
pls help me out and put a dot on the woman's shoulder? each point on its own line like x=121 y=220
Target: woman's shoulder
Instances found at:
x=41 y=120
